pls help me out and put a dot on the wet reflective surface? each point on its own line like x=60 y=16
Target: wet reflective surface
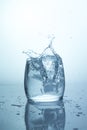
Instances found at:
x=17 y=114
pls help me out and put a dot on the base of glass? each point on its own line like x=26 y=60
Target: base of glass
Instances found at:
x=45 y=99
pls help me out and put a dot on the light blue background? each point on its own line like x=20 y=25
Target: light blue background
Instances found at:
x=26 y=24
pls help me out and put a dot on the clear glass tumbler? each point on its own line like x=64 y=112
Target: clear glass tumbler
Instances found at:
x=44 y=79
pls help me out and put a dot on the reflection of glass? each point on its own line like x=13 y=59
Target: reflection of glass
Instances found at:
x=45 y=117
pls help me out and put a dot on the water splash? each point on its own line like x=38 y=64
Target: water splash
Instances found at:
x=31 y=54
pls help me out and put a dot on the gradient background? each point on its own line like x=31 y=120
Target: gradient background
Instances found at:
x=26 y=24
